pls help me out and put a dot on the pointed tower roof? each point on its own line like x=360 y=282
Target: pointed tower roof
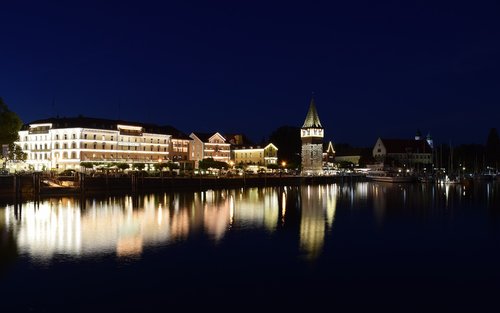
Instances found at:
x=312 y=118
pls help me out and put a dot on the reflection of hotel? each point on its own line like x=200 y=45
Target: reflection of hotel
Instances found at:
x=65 y=142
x=126 y=225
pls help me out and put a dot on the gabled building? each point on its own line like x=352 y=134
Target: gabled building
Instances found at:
x=311 y=135
x=405 y=152
x=180 y=148
x=328 y=153
x=63 y=143
x=213 y=145
x=256 y=155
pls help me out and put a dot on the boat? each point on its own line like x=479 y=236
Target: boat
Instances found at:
x=427 y=179
x=388 y=177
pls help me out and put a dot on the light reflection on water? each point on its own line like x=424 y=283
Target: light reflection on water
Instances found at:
x=127 y=225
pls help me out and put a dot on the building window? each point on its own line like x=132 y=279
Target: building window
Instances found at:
x=111 y=147
x=85 y=146
x=95 y=136
x=85 y=136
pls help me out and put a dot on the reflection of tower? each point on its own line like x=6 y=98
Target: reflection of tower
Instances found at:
x=313 y=221
x=312 y=142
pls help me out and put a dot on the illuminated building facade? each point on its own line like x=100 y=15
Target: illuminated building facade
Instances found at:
x=179 y=149
x=256 y=155
x=311 y=135
x=209 y=146
x=406 y=152
x=63 y=143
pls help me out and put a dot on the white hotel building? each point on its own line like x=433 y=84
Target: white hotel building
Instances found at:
x=63 y=143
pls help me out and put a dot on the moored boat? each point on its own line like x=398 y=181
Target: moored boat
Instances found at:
x=391 y=177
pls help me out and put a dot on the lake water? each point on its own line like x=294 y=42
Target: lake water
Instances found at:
x=348 y=247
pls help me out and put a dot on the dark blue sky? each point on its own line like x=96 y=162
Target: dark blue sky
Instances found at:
x=376 y=68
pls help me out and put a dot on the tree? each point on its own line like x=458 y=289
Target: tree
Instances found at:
x=493 y=148
x=139 y=166
x=10 y=124
x=122 y=166
x=287 y=139
x=16 y=153
x=87 y=165
x=211 y=163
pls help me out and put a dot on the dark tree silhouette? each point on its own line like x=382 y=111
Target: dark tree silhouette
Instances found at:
x=10 y=124
x=493 y=148
x=287 y=139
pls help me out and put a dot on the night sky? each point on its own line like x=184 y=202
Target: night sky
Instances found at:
x=376 y=68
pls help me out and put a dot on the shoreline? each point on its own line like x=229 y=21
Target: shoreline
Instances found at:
x=28 y=186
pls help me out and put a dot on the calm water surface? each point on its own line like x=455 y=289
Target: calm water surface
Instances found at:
x=351 y=247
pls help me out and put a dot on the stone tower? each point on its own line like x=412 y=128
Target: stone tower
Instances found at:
x=311 y=135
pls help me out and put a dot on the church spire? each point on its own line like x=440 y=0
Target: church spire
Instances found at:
x=312 y=118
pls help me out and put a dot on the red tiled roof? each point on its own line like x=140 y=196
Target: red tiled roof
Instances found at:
x=406 y=146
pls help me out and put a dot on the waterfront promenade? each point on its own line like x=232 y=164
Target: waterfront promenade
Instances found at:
x=28 y=185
